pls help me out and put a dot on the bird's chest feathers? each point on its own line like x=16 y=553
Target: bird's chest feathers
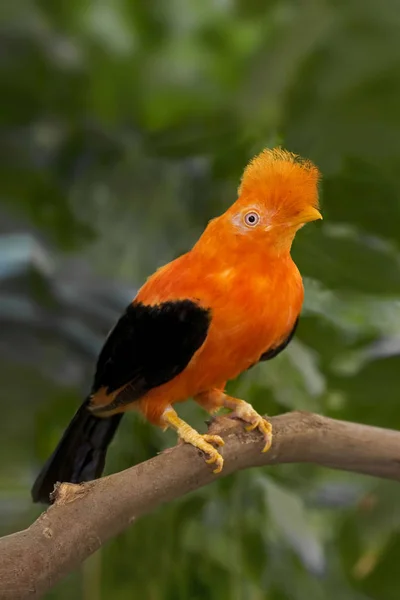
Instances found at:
x=252 y=311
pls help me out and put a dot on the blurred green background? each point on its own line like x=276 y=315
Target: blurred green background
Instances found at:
x=126 y=126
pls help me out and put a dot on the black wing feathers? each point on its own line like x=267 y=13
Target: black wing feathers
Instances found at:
x=150 y=345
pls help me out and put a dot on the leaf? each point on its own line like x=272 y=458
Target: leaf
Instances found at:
x=344 y=260
x=293 y=524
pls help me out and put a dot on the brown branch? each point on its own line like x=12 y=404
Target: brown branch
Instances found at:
x=84 y=517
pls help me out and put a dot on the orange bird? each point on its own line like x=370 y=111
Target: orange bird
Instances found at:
x=234 y=299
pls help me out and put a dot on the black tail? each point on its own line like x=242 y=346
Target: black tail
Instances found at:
x=80 y=454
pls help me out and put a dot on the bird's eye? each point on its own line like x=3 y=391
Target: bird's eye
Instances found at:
x=252 y=218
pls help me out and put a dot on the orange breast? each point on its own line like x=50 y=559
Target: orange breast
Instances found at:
x=252 y=311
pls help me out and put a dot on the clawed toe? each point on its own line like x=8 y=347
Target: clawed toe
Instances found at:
x=214 y=439
x=253 y=420
x=216 y=458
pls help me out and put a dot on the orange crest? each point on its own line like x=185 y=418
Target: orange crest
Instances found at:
x=281 y=179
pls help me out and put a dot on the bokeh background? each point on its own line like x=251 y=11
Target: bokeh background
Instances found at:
x=126 y=126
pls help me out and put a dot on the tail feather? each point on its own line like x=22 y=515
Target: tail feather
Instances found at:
x=80 y=455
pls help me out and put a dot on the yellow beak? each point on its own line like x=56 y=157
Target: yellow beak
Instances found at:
x=308 y=214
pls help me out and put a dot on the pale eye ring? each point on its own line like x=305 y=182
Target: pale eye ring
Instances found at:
x=252 y=218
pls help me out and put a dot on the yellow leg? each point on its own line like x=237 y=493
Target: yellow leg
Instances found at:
x=191 y=436
x=214 y=399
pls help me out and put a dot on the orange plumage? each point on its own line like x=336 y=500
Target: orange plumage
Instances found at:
x=241 y=272
x=248 y=278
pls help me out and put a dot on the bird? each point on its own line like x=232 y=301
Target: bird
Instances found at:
x=233 y=300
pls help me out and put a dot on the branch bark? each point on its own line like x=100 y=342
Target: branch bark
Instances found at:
x=85 y=516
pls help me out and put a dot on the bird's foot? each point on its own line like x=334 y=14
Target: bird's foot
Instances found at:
x=191 y=436
x=244 y=411
x=203 y=443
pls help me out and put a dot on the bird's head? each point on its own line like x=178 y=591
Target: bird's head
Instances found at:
x=278 y=194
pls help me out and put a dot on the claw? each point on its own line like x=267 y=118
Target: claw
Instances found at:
x=246 y=412
x=203 y=443
x=268 y=443
x=191 y=436
x=213 y=439
x=215 y=457
x=251 y=427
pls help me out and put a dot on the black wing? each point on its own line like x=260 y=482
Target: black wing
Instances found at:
x=148 y=347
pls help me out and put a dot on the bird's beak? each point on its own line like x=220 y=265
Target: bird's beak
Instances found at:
x=308 y=214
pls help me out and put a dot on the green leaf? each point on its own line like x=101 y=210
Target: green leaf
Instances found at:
x=293 y=525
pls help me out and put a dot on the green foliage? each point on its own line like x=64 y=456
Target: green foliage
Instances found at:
x=127 y=125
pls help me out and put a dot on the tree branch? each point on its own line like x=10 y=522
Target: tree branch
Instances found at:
x=85 y=516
